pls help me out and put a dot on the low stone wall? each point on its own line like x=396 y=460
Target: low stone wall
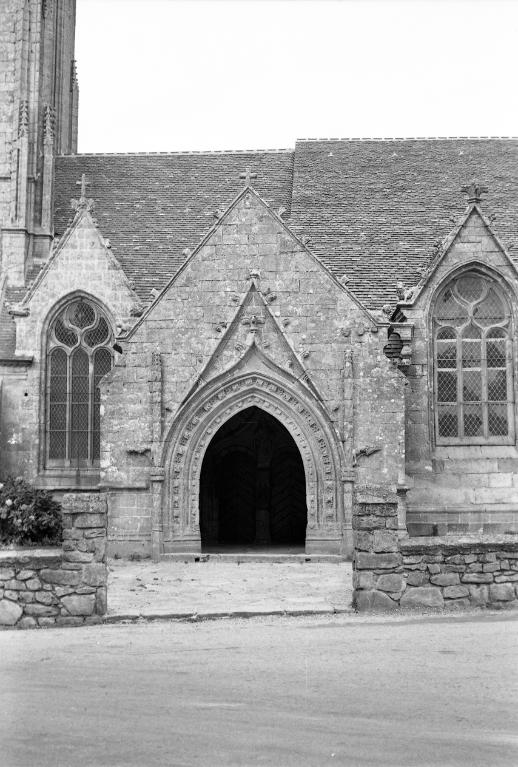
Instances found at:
x=432 y=573
x=46 y=587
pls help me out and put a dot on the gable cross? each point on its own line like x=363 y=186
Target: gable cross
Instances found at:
x=83 y=184
x=248 y=176
x=82 y=203
x=474 y=191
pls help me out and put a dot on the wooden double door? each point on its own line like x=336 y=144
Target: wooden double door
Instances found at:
x=253 y=488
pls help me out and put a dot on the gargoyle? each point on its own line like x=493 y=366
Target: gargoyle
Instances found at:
x=367 y=451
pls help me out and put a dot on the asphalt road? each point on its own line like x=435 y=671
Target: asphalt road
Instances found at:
x=277 y=691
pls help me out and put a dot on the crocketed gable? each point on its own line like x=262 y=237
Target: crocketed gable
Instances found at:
x=153 y=206
x=374 y=210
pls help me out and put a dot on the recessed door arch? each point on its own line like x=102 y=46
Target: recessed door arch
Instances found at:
x=202 y=416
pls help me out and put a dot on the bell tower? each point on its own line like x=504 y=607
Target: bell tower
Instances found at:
x=38 y=119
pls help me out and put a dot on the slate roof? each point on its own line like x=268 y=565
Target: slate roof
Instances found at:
x=153 y=206
x=374 y=208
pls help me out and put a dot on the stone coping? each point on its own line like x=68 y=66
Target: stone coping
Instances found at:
x=459 y=544
x=42 y=555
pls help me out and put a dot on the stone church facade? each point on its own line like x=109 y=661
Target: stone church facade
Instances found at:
x=229 y=344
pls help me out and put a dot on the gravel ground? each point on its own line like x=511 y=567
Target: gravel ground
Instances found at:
x=215 y=587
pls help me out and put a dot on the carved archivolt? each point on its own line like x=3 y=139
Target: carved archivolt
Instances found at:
x=211 y=407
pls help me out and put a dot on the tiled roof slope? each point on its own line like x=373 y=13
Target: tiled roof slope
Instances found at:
x=153 y=206
x=375 y=208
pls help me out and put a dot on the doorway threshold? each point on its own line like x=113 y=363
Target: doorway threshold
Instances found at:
x=252 y=554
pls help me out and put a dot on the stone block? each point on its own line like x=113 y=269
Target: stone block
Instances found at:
x=61 y=577
x=373 y=601
x=368 y=561
x=385 y=541
x=457 y=604
x=501 y=592
x=46 y=621
x=77 y=556
x=93 y=620
x=491 y=567
x=6 y=573
x=477 y=578
x=417 y=578
x=13 y=595
x=445 y=579
x=455 y=559
x=40 y=610
x=10 y=612
x=363 y=540
x=101 y=601
x=79 y=604
x=392 y=582
x=27 y=622
x=479 y=595
x=34 y=584
x=24 y=575
x=69 y=620
x=422 y=596
x=455 y=592
x=14 y=585
x=415 y=560
x=44 y=597
x=368 y=523
x=506 y=577
x=363 y=579
x=434 y=569
x=90 y=520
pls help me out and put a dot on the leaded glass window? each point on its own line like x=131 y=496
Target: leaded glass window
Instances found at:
x=78 y=356
x=473 y=363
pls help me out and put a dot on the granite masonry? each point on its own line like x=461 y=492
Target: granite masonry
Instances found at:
x=426 y=573
x=226 y=346
x=63 y=588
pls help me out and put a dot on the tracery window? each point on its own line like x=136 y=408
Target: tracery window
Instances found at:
x=78 y=355
x=473 y=362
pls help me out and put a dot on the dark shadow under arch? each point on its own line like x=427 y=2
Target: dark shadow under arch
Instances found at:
x=252 y=485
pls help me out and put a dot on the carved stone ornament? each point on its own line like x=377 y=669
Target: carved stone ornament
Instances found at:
x=209 y=408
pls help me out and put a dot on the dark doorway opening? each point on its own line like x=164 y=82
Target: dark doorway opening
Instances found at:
x=252 y=487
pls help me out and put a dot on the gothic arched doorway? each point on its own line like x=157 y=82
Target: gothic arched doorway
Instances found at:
x=252 y=485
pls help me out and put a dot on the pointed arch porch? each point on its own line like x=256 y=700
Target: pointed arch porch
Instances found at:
x=298 y=410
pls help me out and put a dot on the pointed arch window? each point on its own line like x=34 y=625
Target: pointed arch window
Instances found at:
x=79 y=354
x=473 y=370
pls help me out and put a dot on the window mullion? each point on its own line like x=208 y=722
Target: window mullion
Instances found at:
x=90 y=408
x=484 y=387
x=460 y=384
x=68 y=439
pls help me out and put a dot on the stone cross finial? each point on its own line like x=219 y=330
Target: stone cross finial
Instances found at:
x=83 y=184
x=83 y=203
x=474 y=191
x=248 y=176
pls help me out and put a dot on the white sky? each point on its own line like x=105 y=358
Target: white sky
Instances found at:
x=164 y=75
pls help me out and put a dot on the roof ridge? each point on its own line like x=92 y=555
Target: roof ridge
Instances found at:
x=180 y=152
x=412 y=138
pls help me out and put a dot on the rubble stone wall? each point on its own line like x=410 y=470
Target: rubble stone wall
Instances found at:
x=426 y=573
x=48 y=587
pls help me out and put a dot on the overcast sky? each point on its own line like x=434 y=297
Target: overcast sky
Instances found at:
x=164 y=75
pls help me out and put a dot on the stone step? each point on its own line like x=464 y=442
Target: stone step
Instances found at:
x=274 y=557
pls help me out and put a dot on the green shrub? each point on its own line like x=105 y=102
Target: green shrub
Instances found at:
x=28 y=516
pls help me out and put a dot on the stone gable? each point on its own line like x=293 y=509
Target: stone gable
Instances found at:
x=251 y=283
